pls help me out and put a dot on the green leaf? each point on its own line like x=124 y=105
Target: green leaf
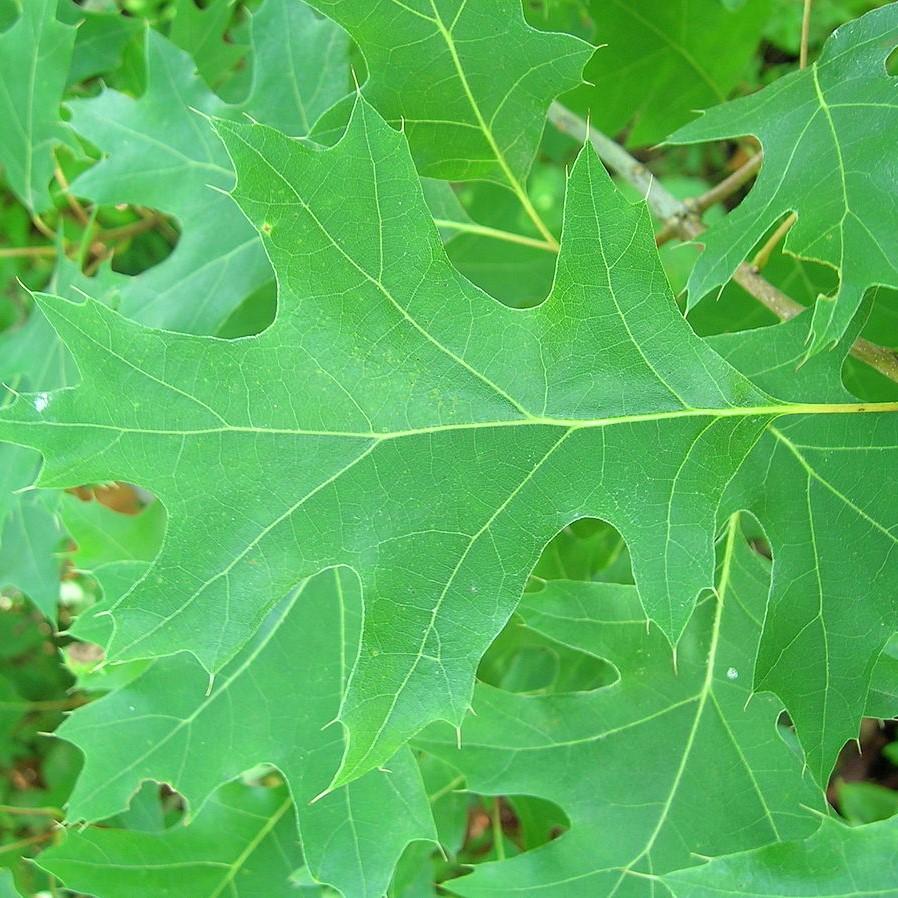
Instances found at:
x=200 y=31
x=500 y=258
x=883 y=698
x=657 y=66
x=802 y=475
x=820 y=620
x=397 y=420
x=714 y=777
x=161 y=153
x=861 y=802
x=432 y=70
x=448 y=799
x=31 y=542
x=31 y=357
x=836 y=862
x=170 y=727
x=12 y=709
x=242 y=844
x=99 y=41
x=7 y=886
x=34 y=62
x=784 y=24
x=825 y=132
x=105 y=537
x=286 y=34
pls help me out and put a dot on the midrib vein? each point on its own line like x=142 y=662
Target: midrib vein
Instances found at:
x=774 y=410
x=517 y=187
x=703 y=698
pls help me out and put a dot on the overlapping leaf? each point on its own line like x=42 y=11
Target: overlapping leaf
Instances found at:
x=243 y=844
x=161 y=153
x=168 y=727
x=34 y=63
x=655 y=68
x=826 y=134
x=831 y=611
x=396 y=421
x=31 y=357
x=837 y=861
x=716 y=777
x=200 y=31
x=432 y=70
x=399 y=421
x=100 y=39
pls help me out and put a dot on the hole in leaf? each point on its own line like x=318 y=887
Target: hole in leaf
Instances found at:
x=523 y=661
x=253 y=315
x=140 y=242
x=522 y=822
x=473 y=828
x=587 y=549
x=153 y=808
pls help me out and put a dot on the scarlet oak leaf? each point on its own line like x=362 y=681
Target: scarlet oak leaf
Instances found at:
x=432 y=67
x=34 y=61
x=702 y=745
x=8 y=886
x=288 y=680
x=836 y=861
x=243 y=845
x=826 y=132
x=397 y=420
x=655 y=68
x=832 y=598
x=432 y=71
x=160 y=152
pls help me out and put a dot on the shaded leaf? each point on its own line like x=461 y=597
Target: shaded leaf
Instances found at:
x=171 y=726
x=243 y=844
x=34 y=61
x=837 y=861
x=161 y=153
x=824 y=132
x=679 y=763
x=656 y=67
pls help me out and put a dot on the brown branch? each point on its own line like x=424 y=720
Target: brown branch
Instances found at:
x=56 y=813
x=15 y=252
x=63 y=704
x=716 y=194
x=146 y=223
x=684 y=221
x=100 y=244
x=805 y=33
x=74 y=205
x=730 y=184
x=24 y=843
x=164 y=226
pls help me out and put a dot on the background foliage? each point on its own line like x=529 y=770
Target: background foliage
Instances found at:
x=370 y=333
